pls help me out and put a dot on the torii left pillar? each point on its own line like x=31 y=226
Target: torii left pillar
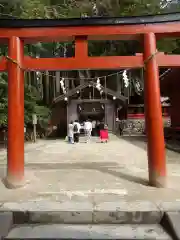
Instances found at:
x=15 y=151
x=153 y=111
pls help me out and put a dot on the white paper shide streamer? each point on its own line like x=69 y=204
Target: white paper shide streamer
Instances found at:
x=98 y=86
x=125 y=79
x=62 y=86
x=164 y=99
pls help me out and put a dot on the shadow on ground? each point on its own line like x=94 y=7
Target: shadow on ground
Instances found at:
x=138 y=141
x=172 y=155
x=106 y=167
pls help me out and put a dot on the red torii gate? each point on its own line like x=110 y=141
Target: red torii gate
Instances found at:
x=18 y=32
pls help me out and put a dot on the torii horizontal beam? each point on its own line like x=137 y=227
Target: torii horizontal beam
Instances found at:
x=106 y=62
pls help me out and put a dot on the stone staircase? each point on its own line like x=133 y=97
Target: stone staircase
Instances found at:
x=80 y=220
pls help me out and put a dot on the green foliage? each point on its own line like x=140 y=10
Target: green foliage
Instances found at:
x=32 y=103
x=30 y=9
x=3 y=99
x=79 y=8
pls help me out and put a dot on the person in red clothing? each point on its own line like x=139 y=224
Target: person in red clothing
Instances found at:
x=104 y=136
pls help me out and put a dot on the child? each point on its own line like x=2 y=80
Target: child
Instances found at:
x=104 y=136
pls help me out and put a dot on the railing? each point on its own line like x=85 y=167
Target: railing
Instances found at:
x=131 y=127
x=136 y=126
x=3 y=138
x=28 y=135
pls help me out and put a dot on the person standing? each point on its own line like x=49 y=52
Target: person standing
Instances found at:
x=104 y=136
x=97 y=128
x=70 y=133
x=88 y=130
x=76 y=130
x=94 y=128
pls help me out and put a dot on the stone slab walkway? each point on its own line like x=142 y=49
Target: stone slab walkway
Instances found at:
x=97 y=184
x=96 y=172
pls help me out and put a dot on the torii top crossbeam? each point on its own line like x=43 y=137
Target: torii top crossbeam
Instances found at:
x=94 y=28
x=82 y=30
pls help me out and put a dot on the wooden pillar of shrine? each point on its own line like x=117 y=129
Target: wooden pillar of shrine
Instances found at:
x=15 y=151
x=153 y=112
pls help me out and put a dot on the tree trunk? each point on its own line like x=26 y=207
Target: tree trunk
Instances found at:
x=54 y=85
x=47 y=86
x=118 y=83
x=57 y=83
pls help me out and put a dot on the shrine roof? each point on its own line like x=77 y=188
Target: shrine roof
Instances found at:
x=95 y=21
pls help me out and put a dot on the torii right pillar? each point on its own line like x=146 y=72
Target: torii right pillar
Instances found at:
x=153 y=113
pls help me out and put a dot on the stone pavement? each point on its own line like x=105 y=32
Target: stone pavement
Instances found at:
x=90 y=183
x=57 y=171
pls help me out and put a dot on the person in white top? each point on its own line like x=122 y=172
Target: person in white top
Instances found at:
x=94 y=128
x=76 y=129
x=88 y=130
x=70 y=133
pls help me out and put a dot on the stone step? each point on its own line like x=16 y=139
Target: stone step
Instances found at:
x=103 y=221
x=67 y=231
x=84 y=212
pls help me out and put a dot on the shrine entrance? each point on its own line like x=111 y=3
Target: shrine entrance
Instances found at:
x=92 y=110
x=19 y=32
x=92 y=116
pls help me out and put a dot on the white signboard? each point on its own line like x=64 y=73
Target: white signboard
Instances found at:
x=34 y=118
